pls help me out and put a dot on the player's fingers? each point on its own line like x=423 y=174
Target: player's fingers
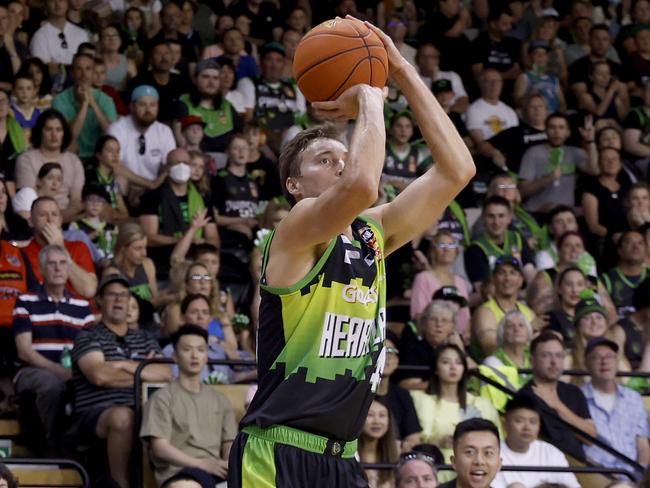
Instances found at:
x=327 y=105
x=382 y=35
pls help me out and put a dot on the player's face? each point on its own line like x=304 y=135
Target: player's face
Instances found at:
x=191 y=354
x=476 y=459
x=377 y=421
x=323 y=163
x=522 y=426
x=198 y=313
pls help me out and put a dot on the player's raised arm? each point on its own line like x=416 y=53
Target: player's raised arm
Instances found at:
x=331 y=183
x=424 y=200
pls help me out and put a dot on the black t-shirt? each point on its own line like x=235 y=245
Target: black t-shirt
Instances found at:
x=168 y=93
x=501 y=55
x=414 y=351
x=265 y=174
x=403 y=410
x=235 y=196
x=514 y=142
x=262 y=23
x=555 y=431
x=611 y=212
x=637 y=69
x=477 y=263
x=559 y=321
x=634 y=342
x=579 y=70
x=150 y=205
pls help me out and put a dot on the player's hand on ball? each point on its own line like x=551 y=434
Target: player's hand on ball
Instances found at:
x=346 y=106
x=396 y=61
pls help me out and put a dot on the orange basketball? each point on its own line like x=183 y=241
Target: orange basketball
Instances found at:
x=336 y=55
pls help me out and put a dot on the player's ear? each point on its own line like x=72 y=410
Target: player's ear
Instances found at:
x=293 y=185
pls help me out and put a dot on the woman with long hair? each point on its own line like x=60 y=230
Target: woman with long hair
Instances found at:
x=51 y=138
x=446 y=401
x=378 y=444
x=571 y=282
x=119 y=68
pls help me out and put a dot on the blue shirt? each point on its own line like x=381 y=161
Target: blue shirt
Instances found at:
x=618 y=428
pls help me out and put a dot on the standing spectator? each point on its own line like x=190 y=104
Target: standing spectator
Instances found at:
x=188 y=424
x=51 y=138
x=618 y=412
x=119 y=68
x=144 y=142
x=631 y=271
x=276 y=104
x=169 y=85
x=427 y=59
x=477 y=457
x=206 y=101
x=46 y=324
x=89 y=111
x=170 y=18
x=46 y=222
x=636 y=133
x=521 y=447
x=488 y=115
x=264 y=16
x=57 y=40
x=106 y=357
x=558 y=399
x=548 y=170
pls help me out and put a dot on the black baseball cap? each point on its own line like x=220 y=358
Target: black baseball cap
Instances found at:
x=600 y=341
x=111 y=278
x=440 y=86
x=507 y=261
x=451 y=294
x=95 y=189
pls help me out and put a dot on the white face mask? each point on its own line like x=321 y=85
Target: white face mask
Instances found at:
x=180 y=173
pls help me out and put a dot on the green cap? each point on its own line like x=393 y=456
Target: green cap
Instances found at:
x=587 y=306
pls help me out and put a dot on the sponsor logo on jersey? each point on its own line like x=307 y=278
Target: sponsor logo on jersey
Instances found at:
x=353 y=293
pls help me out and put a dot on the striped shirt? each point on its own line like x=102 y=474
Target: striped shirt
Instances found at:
x=135 y=345
x=53 y=325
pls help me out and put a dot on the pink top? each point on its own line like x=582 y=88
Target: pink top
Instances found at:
x=425 y=285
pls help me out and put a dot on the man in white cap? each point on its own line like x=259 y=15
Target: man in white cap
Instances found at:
x=144 y=142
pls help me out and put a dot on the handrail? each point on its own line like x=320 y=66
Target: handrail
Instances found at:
x=85 y=479
x=537 y=469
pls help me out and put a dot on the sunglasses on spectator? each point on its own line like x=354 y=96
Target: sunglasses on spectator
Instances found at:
x=143 y=145
x=413 y=455
x=507 y=186
x=446 y=245
x=64 y=43
x=200 y=278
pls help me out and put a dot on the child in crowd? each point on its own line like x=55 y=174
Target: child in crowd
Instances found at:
x=48 y=183
x=199 y=173
x=192 y=129
x=23 y=104
x=261 y=168
x=101 y=233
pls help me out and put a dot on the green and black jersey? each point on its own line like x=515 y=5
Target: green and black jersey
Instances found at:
x=321 y=341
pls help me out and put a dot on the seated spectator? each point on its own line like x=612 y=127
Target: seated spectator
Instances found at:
x=13 y=225
x=51 y=138
x=507 y=280
x=7 y=479
x=444 y=92
x=260 y=166
x=233 y=50
x=377 y=444
x=634 y=327
x=46 y=222
x=38 y=71
x=166 y=212
x=192 y=127
x=99 y=83
x=446 y=401
x=618 y=412
x=144 y=142
x=57 y=40
x=290 y=39
x=12 y=142
x=521 y=447
x=186 y=423
x=557 y=398
x=606 y=98
x=199 y=174
x=571 y=282
x=228 y=86
x=513 y=338
x=277 y=104
x=497 y=241
x=24 y=106
x=44 y=344
x=546 y=31
x=637 y=205
x=548 y=171
x=509 y=145
x=631 y=270
x=88 y=110
x=488 y=115
x=415 y=469
x=106 y=357
x=560 y=220
x=48 y=183
x=435 y=326
x=206 y=101
x=636 y=133
x=99 y=231
x=538 y=81
x=169 y=85
x=477 y=457
x=427 y=59
x=400 y=403
x=443 y=253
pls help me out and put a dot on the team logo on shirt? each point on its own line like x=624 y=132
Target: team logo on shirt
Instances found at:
x=369 y=238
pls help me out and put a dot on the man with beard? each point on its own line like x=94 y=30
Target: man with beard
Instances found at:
x=205 y=100
x=144 y=142
x=168 y=84
x=88 y=110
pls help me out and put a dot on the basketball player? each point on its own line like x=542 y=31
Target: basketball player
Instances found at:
x=322 y=312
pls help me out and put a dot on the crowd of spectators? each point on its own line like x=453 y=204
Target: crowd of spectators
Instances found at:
x=139 y=142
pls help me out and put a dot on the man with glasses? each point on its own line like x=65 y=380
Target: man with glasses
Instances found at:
x=144 y=142
x=105 y=358
x=43 y=343
x=618 y=412
x=557 y=398
x=415 y=470
x=57 y=40
x=166 y=213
